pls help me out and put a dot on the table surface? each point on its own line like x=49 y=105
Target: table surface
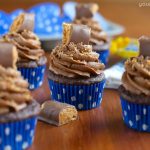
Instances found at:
x=100 y=128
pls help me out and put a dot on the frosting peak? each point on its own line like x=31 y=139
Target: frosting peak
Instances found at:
x=75 y=60
x=27 y=43
x=136 y=78
x=14 y=94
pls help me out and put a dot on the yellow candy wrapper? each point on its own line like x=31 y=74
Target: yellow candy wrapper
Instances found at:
x=125 y=47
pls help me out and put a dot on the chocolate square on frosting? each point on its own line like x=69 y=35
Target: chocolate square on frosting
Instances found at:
x=76 y=33
x=8 y=55
x=86 y=10
x=24 y=21
x=144 y=48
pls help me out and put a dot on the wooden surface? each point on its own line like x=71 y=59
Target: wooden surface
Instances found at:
x=101 y=128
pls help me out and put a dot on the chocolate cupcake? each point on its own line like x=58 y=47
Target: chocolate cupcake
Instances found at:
x=99 y=38
x=135 y=93
x=75 y=74
x=18 y=110
x=32 y=60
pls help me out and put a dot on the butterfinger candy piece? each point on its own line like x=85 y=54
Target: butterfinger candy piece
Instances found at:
x=24 y=21
x=86 y=10
x=8 y=55
x=57 y=113
x=76 y=33
x=144 y=45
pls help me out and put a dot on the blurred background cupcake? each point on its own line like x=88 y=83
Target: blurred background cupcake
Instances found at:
x=75 y=73
x=134 y=91
x=32 y=60
x=99 y=39
x=18 y=109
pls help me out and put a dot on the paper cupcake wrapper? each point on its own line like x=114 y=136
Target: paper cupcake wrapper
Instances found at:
x=136 y=116
x=34 y=76
x=103 y=56
x=83 y=97
x=18 y=135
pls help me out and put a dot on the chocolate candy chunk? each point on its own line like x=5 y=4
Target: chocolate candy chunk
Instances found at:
x=144 y=45
x=57 y=113
x=8 y=54
x=24 y=21
x=86 y=10
x=76 y=33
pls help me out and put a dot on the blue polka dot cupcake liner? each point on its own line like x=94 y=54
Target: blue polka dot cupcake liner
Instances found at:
x=103 y=56
x=17 y=135
x=136 y=116
x=83 y=97
x=34 y=76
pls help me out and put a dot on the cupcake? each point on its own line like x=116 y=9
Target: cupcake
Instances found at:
x=135 y=89
x=32 y=60
x=75 y=74
x=99 y=38
x=18 y=110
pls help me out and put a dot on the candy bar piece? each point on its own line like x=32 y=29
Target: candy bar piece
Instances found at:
x=76 y=33
x=57 y=113
x=86 y=10
x=8 y=54
x=24 y=21
x=144 y=45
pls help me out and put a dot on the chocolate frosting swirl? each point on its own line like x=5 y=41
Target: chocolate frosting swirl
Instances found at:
x=136 y=78
x=28 y=45
x=98 y=36
x=75 y=60
x=14 y=95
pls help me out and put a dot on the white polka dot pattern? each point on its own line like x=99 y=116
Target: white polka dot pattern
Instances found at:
x=136 y=116
x=40 y=83
x=130 y=123
x=94 y=104
x=144 y=127
x=33 y=73
x=59 y=96
x=17 y=135
x=64 y=91
x=31 y=133
x=27 y=127
x=7 y=131
x=125 y=113
x=34 y=76
x=7 y=147
x=81 y=96
x=81 y=91
x=144 y=111
x=73 y=98
x=31 y=86
x=18 y=138
x=38 y=78
x=96 y=90
x=43 y=70
x=51 y=93
x=128 y=107
x=80 y=106
x=25 y=145
x=89 y=97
